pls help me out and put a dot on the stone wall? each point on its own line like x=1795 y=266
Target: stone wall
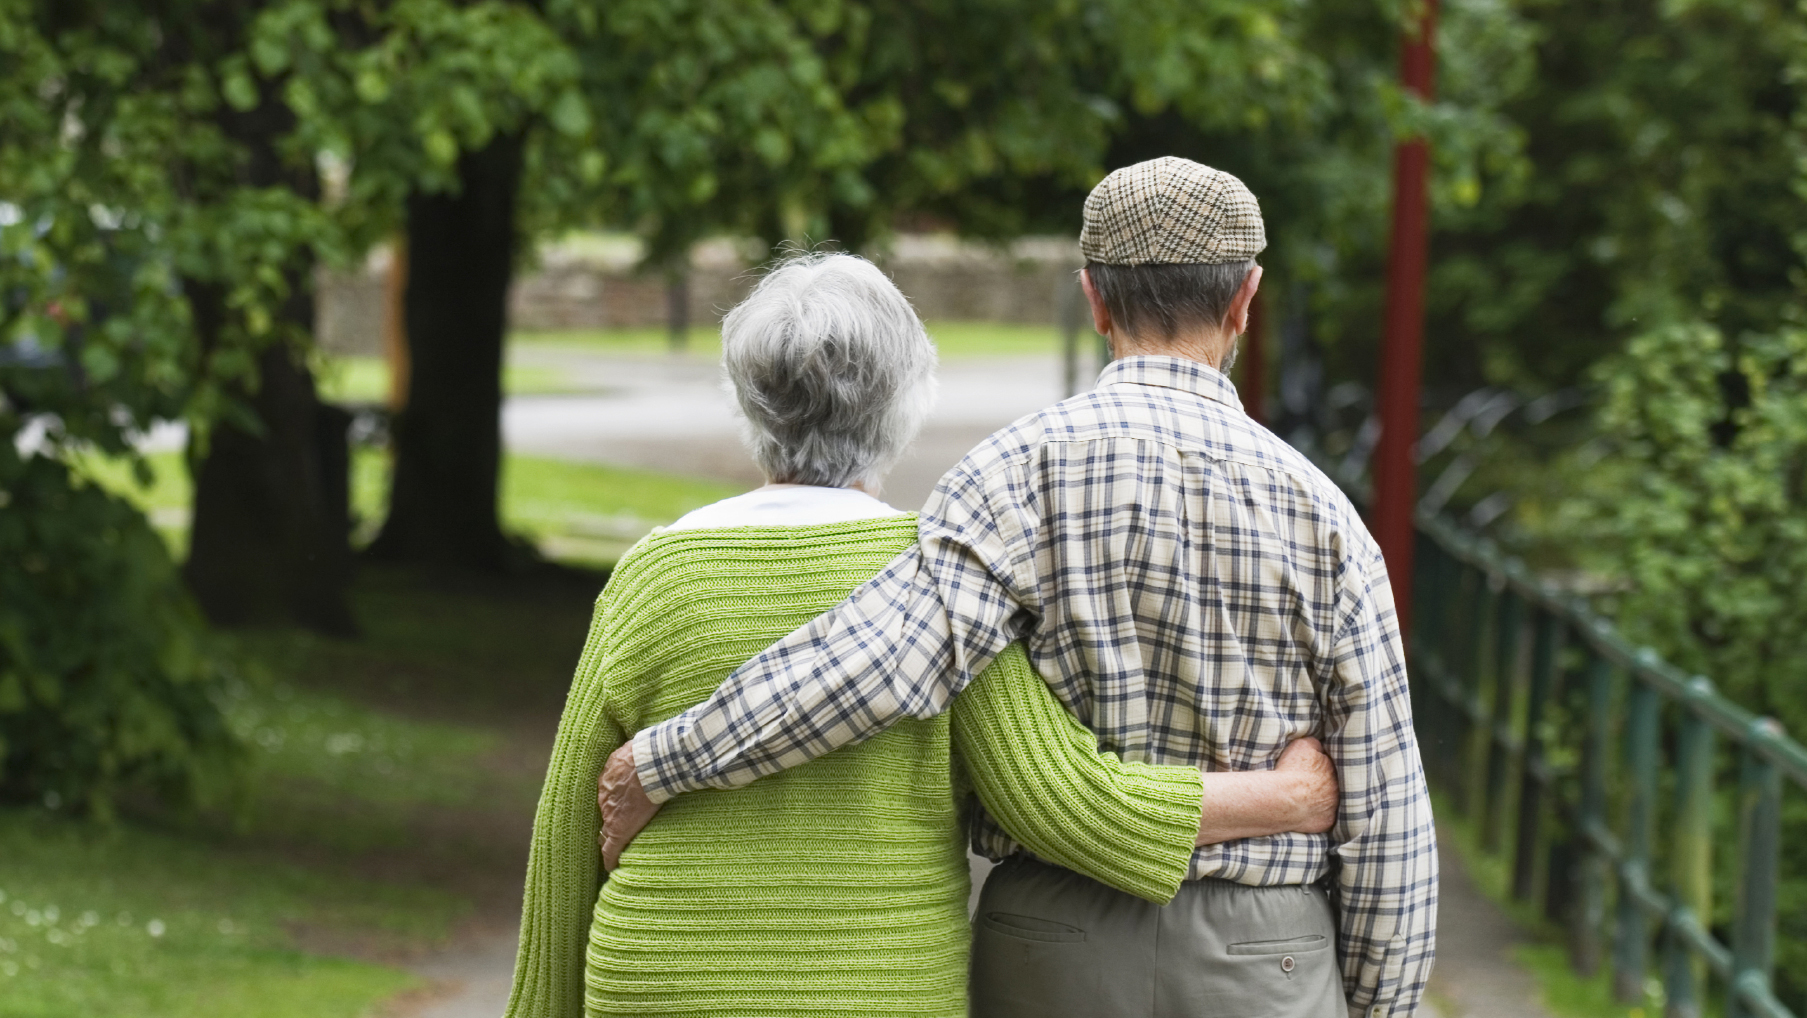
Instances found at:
x=348 y=306
x=589 y=282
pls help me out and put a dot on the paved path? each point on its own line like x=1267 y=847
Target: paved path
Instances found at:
x=471 y=980
x=1476 y=976
x=673 y=414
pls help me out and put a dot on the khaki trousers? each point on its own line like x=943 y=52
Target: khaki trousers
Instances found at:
x=1049 y=943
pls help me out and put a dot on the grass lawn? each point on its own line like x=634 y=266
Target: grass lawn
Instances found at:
x=582 y=513
x=389 y=790
x=388 y=797
x=953 y=339
x=130 y=921
x=588 y=513
x=366 y=380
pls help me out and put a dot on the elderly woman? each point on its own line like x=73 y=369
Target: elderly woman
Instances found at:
x=839 y=887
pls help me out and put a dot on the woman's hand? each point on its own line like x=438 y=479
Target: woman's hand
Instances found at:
x=1299 y=795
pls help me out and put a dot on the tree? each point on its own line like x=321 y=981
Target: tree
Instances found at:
x=666 y=90
x=794 y=122
x=447 y=442
x=159 y=220
x=231 y=211
x=428 y=104
x=270 y=535
x=125 y=220
x=1658 y=185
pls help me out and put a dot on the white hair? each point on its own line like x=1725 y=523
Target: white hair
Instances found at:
x=832 y=369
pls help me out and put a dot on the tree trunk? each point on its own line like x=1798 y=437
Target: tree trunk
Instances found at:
x=677 y=308
x=270 y=538
x=270 y=542
x=447 y=441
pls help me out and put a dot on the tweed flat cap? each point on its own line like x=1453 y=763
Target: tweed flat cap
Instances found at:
x=1170 y=211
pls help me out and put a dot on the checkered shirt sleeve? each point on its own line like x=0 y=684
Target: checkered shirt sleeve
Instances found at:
x=1193 y=591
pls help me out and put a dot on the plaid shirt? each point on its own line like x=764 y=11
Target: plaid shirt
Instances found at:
x=1191 y=587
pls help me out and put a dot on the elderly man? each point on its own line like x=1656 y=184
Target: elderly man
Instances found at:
x=1194 y=591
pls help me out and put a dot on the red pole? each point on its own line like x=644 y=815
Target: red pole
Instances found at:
x=1254 y=364
x=1402 y=352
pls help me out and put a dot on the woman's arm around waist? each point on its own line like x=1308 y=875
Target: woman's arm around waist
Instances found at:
x=1039 y=773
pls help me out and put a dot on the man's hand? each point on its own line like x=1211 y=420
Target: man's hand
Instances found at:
x=624 y=805
x=1300 y=794
x=1315 y=791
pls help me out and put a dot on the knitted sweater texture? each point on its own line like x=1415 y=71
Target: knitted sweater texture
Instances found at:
x=837 y=888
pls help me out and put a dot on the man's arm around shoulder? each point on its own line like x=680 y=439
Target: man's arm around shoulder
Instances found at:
x=902 y=645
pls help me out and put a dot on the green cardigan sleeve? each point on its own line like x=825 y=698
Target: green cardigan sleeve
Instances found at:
x=1039 y=773
x=564 y=869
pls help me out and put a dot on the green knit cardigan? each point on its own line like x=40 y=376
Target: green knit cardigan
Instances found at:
x=836 y=888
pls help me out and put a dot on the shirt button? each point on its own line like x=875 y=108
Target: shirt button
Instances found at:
x=1287 y=963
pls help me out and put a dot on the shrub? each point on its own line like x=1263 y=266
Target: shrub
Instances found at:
x=107 y=682
x=1706 y=447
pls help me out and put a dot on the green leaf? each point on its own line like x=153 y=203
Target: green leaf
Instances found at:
x=569 y=115
x=372 y=86
x=270 y=55
x=591 y=166
x=12 y=693
x=239 y=90
x=441 y=146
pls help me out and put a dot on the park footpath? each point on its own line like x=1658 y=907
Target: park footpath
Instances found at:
x=672 y=414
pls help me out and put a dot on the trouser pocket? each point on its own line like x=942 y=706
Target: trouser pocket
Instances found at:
x=1023 y=927
x=1051 y=944
x=1249 y=952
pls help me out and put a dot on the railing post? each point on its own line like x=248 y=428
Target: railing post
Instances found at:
x=1424 y=646
x=1421 y=584
x=1692 y=872
x=1427 y=565
x=1499 y=720
x=1483 y=619
x=1760 y=832
x=1546 y=636
x=1589 y=917
x=1453 y=626
x=1631 y=934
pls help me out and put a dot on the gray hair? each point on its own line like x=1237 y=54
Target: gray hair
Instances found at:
x=1160 y=301
x=832 y=369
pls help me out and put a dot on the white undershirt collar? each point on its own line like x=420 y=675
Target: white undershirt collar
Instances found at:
x=787 y=505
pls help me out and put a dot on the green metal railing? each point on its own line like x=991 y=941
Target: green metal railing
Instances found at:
x=1593 y=768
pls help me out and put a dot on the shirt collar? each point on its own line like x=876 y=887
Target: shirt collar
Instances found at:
x=1172 y=373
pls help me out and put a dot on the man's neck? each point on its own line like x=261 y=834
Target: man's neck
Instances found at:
x=1207 y=348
